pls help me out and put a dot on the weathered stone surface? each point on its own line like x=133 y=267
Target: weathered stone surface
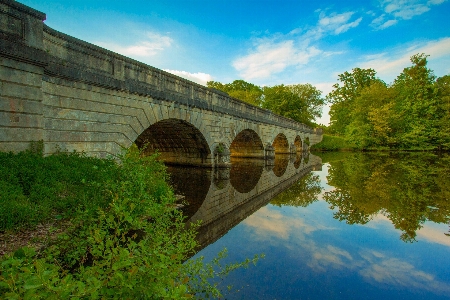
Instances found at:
x=77 y=96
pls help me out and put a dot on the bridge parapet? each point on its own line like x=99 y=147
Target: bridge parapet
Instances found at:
x=78 y=60
x=75 y=95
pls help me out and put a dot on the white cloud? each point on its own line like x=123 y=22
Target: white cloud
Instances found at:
x=387 y=24
x=407 y=9
x=337 y=23
x=402 y=10
x=380 y=23
x=200 y=78
x=389 y=66
x=434 y=235
x=344 y=27
x=268 y=223
x=275 y=54
x=393 y=271
x=150 y=45
x=271 y=57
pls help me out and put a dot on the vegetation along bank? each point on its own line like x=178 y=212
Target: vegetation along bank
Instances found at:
x=122 y=236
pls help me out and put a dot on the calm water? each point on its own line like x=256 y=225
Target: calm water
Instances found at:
x=346 y=226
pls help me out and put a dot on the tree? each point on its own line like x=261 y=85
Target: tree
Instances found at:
x=372 y=117
x=312 y=97
x=417 y=101
x=443 y=89
x=301 y=102
x=282 y=101
x=342 y=97
x=241 y=90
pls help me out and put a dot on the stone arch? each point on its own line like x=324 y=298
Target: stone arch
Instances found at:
x=177 y=141
x=247 y=144
x=281 y=144
x=298 y=144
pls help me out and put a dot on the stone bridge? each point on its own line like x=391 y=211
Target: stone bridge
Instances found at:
x=73 y=95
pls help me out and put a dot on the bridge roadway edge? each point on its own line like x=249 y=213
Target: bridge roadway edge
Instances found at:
x=74 y=95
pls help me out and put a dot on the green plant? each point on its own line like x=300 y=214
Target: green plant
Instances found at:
x=134 y=247
x=220 y=149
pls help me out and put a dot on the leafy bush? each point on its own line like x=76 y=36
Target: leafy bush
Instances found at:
x=130 y=244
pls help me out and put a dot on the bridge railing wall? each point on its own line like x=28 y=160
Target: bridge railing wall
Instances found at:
x=75 y=59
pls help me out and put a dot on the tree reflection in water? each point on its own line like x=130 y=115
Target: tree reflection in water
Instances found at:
x=302 y=193
x=407 y=188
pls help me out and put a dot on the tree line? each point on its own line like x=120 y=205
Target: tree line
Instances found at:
x=300 y=102
x=413 y=112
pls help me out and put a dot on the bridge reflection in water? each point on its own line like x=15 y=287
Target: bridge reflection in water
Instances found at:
x=222 y=198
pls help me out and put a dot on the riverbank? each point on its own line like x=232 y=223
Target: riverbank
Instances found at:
x=96 y=228
x=338 y=143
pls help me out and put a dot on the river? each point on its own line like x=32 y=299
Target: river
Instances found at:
x=331 y=226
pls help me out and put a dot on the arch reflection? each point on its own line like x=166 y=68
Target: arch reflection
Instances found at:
x=245 y=173
x=298 y=160
x=193 y=184
x=281 y=164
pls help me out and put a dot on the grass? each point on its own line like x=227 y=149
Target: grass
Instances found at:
x=34 y=189
x=333 y=143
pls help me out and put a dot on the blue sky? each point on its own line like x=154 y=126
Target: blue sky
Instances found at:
x=264 y=42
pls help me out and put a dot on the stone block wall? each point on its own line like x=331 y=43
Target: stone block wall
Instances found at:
x=22 y=64
x=73 y=95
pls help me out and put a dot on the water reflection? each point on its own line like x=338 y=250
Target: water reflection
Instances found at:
x=245 y=173
x=193 y=184
x=281 y=163
x=334 y=234
x=408 y=189
x=235 y=193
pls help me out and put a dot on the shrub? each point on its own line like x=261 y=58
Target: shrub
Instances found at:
x=133 y=247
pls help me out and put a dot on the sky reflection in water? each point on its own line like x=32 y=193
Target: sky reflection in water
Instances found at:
x=311 y=255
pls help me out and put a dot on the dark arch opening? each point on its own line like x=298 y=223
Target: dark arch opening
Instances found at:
x=281 y=144
x=298 y=144
x=247 y=144
x=177 y=141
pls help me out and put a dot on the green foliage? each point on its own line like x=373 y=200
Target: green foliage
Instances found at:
x=34 y=188
x=417 y=100
x=443 y=91
x=407 y=188
x=203 y=281
x=342 y=97
x=333 y=143
x=412 y=113
x=300 y=102
x=241 y=90
x=131 y=245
